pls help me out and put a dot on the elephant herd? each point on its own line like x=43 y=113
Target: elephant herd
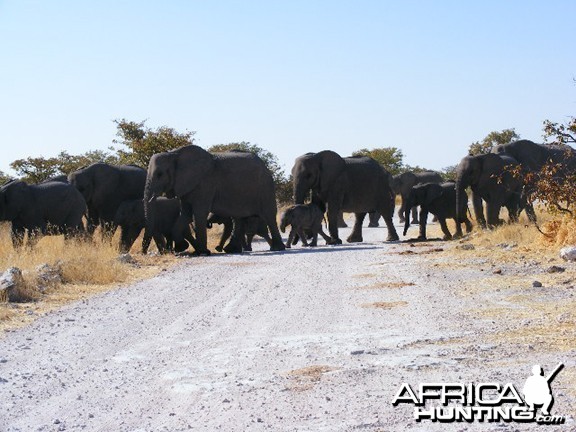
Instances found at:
x=187 y=190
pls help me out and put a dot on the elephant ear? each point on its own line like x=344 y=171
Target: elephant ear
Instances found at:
x=434 y=192
x=191 y=165
x=331 y=168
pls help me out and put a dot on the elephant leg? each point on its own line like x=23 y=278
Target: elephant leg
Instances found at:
x=529 y=208
x=236 y=245
x=341 y=222
x=146 y=240
x=423 y=221
x=187 y=236
x=387 y=215
x=324 y=235
x=248 y=245
x=269 y=218
x=356 y=234
x=182 y=225
x=160 y=241
x=414 y=215
x=513 y=213
x=291 y=238
x=17 y=235
x=445 y=230
x=92 y=220
x=303 y=236
x=478 y=209
x=200 y=220
x=226 y=234
x=468 y=224
x=333 y=224
x=402 y=207
x=374 y=217
x=493 y=214
x=314 y=241
x=126 y=239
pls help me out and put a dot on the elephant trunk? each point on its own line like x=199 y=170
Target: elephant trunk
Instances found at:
x=149 y=205
x=300 y=192
x=407 y=209
x=461 y=185
x=285 y=220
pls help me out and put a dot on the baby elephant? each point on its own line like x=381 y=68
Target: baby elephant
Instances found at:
x=131 y=219
x=248 y=227
x=303 y=218
x=440 y=200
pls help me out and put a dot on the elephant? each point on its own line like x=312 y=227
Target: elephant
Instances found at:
x=42 y=209
x=534 y=156
x=402 y=185
x=131 y=220
x=251 y=225
x=104 y=188
x=355 y=184
x=232 y=184
x=490 y=180
x=440 y=200
x=304 y=219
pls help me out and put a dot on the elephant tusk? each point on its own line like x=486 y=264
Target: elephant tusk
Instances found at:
x=152 y=198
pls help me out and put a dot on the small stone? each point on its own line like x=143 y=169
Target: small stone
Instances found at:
x=555 y=269
x=357 y=352
x=497 y=271
x=226 y=401
x=536 y=284
x=56 y=421
x=466 y=247
x=126 y=258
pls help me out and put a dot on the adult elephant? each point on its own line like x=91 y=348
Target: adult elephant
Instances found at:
x=490 y=180
x=104 y=188
x=355 y=184
x=45 y=208
x=534 y=156
x=401 y=185
x=232 y=184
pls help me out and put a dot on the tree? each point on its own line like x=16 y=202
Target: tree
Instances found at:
x=143 y=142
x=38 y=169
x=492 y=139
x=4 y=177
x=559 y=133
x=35 y=169
x=389 y=157
x=449 y=173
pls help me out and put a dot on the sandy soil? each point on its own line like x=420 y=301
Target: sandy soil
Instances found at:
x=305 y=340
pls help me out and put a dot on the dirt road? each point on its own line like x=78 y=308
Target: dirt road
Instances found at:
x=306 y=340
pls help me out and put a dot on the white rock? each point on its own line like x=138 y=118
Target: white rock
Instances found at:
x=10 y=280
x=568 y=253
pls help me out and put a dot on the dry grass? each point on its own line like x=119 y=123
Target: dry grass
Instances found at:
x=86 y=269
x=305 y=378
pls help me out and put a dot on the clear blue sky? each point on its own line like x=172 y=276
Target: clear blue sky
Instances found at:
x=429 y=77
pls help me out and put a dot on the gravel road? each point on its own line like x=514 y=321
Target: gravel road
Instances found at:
x=304 y=340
